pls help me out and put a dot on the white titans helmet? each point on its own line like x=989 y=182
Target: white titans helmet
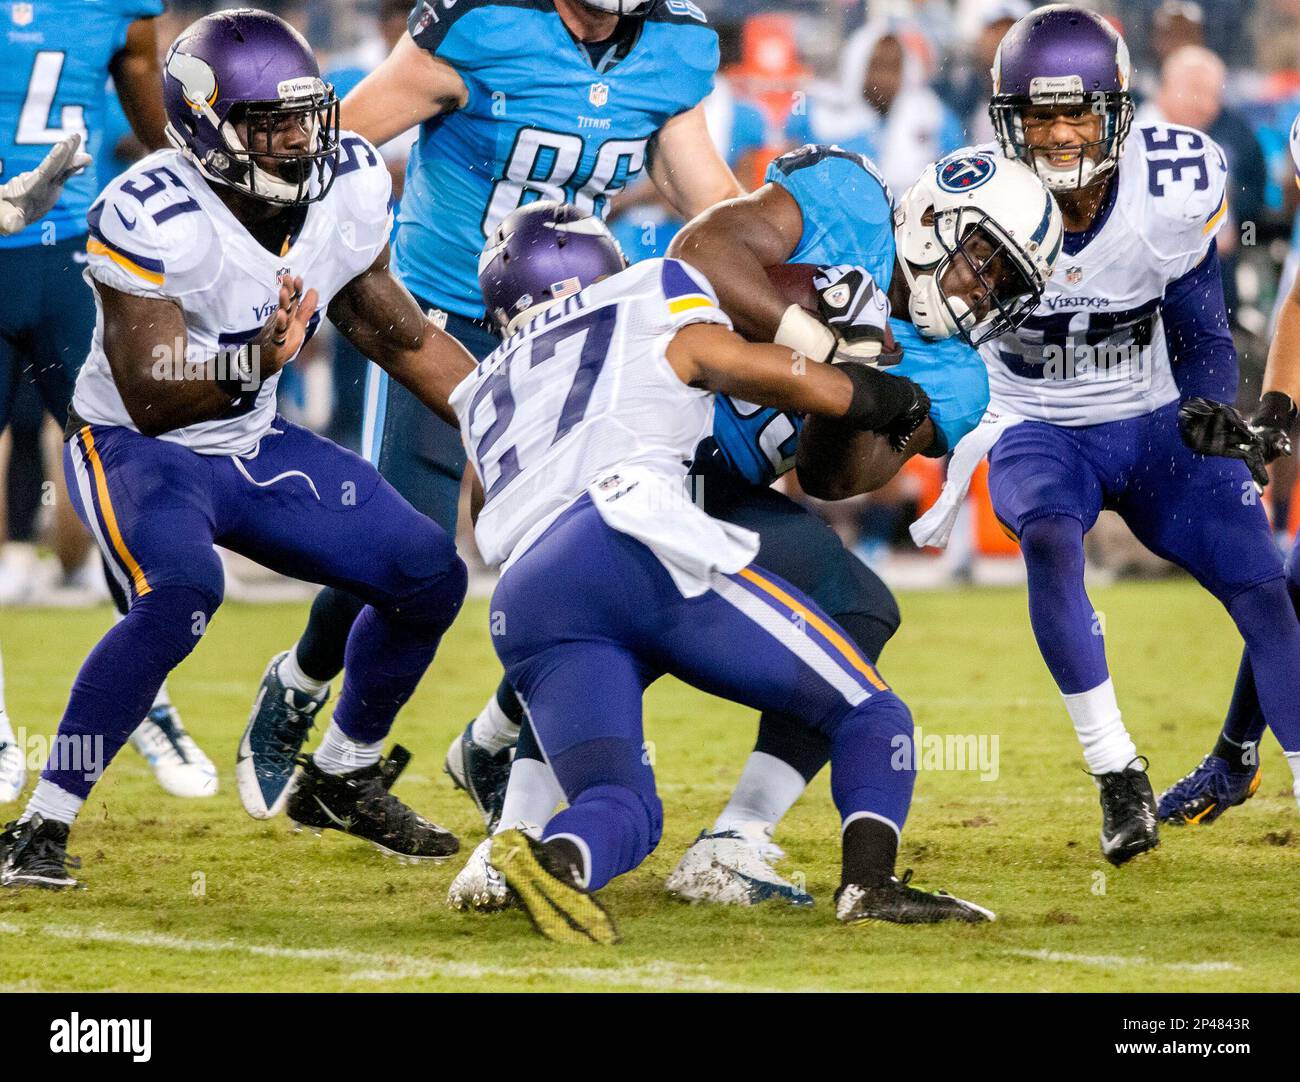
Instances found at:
x=996 y=215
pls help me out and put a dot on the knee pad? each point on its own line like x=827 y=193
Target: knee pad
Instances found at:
x=1052 y=540
x=174 y=619
x=434 y=604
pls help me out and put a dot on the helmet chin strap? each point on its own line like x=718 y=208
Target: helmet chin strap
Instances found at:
x=930 y=316
x=1070 y=178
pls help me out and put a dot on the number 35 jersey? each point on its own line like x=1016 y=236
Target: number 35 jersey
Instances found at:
x=582 y=389
x=159 y=231
x=1094 y=350
x=543 y=121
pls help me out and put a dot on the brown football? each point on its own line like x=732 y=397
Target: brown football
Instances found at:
x=794 y=281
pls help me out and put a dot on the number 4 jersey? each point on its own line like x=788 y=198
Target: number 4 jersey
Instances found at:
x=583 y=389
x=547 y=118
x=52 y=84
x=1094 y=350
x=160 y=231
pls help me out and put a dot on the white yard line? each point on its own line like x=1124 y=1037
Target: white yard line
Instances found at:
x=1120 y=961
x=657 y=976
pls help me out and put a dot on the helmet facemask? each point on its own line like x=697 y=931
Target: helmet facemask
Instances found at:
x=253 y=164
x=980 y=250
x=1096 y=157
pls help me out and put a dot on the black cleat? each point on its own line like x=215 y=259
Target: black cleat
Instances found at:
x=35 y=854
x=361 y=805
x=481 y=773
x=1128 y=813
x=897 y=903
x=558 y=907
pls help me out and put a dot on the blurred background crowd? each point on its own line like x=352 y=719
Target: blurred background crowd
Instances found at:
x=902 y=81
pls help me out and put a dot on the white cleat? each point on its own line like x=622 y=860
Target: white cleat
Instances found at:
x=479 y=886
x=734 y=867
x=13 y=772
x=178 y=763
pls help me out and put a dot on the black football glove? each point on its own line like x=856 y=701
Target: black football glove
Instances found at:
x=852 y=305
x=1272 y=424
x=1215 y=428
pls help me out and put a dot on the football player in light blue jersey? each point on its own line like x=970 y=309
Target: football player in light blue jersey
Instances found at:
x=516 y=100
x=967 y=255
x=58 y=56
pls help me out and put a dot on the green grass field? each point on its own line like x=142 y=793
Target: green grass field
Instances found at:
x=197 y=896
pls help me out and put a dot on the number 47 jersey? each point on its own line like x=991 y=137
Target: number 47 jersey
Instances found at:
x=583 y=389
x=1094 y=350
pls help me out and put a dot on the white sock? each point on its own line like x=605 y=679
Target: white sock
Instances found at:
x=492 y=730
x=340 y=754
x=6 y=730
x=163 y=698
x=50 y=802
x=292 y=676
x=1107 y=746
x=1293 y=758
x=531 y=796
x=767 y=789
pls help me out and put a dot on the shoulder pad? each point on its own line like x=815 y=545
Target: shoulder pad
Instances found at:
x=1184 y=176
x=148 y=225
x=677 y=11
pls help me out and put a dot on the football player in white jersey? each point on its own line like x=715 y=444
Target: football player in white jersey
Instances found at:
x=210 y=265
x=1085 y=394
x=580 y=428
x=1230 y=773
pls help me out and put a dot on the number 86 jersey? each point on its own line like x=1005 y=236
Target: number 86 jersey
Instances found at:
x=1094 y=350
x=546 y=118
x=581 y=390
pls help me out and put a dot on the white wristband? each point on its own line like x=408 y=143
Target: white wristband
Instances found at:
x=806 y=334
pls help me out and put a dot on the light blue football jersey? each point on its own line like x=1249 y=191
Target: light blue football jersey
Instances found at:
x=541 y=122
x=848 y=218
x=52 y=83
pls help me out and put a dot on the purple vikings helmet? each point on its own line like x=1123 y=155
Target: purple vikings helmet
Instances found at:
x=1060 y=55
x=250 y=68
x=541 y=253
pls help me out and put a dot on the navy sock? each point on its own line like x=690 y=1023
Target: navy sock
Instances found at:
x=1263 y=615
x=118 y=681
x=389 y=651
x=324 y=642
x=1063 y=619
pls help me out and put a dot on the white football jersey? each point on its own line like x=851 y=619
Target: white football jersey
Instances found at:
x=159 y=230
x=1094 y=350
x=583 y=389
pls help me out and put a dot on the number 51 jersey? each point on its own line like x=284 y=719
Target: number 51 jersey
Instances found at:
x=160 y=231
x=1094 y=350
x=580 y=390
x=542 y=122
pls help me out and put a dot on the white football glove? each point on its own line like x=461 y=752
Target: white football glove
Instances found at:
x=855 y=308
x=32 y=195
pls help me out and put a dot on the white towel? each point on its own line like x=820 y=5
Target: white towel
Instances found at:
x=657 y=511
x=935 y=526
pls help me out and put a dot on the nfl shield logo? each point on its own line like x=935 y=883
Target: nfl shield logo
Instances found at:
x=21 y=14
x=1074 y=275
x=598 y=94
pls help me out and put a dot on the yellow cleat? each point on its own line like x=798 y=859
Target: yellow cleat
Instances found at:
x=560 y=910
